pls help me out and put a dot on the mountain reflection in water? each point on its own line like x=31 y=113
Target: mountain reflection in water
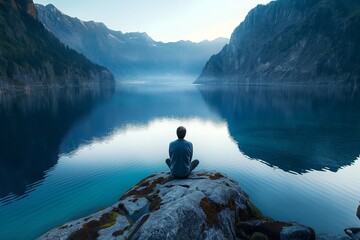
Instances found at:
x=32 y=126
x=64 y=155
x=293 y=128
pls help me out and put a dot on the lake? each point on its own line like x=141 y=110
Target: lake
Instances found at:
x=68 y=153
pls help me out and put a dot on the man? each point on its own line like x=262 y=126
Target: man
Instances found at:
x=181 y=152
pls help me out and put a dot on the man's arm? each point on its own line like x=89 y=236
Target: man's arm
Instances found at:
x=191 y=151
x=170 y=151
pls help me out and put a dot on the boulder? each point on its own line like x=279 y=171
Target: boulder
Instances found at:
x=207 y=205
x=331 y=237
x=357 y=236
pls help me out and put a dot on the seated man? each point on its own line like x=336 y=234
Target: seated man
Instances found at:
x=181 y=152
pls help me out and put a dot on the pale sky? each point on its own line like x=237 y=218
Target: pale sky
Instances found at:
x=163 y=20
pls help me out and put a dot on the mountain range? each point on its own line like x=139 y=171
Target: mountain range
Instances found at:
x=31 y=56
x=292 y=42
x=128 y=55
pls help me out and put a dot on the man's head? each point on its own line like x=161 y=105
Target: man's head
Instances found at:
x=181 y=132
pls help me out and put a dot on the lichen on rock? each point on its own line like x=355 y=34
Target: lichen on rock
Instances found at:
x=206 y=205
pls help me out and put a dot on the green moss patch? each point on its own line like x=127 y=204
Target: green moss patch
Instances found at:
x=251 y=212
x=90 y=230
x=84 y=234
x=254 y=212
x=212 y=209
x=118 y=233
x=63 y=227
x=258 y=236
x=271 y=229
x=155 y=202
x=108 y=219
x=147 y=187
x=215 y=176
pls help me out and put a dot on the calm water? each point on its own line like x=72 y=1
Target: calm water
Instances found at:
x=66 y=154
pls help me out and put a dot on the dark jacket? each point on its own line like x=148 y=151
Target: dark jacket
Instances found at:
x=180 y=152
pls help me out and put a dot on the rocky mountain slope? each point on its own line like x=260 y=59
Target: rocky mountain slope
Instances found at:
x=128 y=55
x=31 y=56
x=293 y=42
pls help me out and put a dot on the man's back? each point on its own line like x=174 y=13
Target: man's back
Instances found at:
x=180 y=152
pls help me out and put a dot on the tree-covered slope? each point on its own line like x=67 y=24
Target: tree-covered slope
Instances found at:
x=31 y=56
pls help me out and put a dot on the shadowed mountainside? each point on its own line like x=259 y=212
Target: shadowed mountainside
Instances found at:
x=31 y=56
x=292 y=42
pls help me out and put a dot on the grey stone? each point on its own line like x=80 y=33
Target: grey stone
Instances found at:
x=213 y=234
x=182 y=219
x=207 y=205
x=133 y=207
x=296 y=232
x=171 y=194
x=356 y=237
x=331 y=237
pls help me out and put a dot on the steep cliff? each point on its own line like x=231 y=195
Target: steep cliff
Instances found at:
x=31 y=56
x=128 y=55
x=293 y=42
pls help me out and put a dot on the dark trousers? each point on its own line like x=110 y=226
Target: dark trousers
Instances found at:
x=193 y=164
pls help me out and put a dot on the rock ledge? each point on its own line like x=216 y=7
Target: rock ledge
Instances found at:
x=207 y=205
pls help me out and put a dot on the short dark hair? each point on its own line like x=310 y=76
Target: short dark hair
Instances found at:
x=181 y=132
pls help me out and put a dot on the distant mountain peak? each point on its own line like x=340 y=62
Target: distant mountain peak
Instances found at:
x=128 y=54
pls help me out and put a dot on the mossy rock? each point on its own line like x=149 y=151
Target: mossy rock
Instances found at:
x=258 y=236
x=90 y=230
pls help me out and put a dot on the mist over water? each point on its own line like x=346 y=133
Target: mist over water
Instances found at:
x=295 y=151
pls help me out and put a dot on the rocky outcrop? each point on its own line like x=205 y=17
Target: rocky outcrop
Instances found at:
x=292 y=42
x=207 y=205
x=354 y=232
x=128 y=55
x=30 y=56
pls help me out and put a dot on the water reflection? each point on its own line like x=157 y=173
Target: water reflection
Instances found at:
x=32 y=127
x=294 y=128
x=137 y=104
x=99 y=137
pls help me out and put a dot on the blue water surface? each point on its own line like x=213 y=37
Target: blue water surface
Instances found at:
x=65 y=154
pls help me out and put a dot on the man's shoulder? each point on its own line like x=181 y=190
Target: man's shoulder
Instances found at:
x=188 y=142
x=181 y=141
